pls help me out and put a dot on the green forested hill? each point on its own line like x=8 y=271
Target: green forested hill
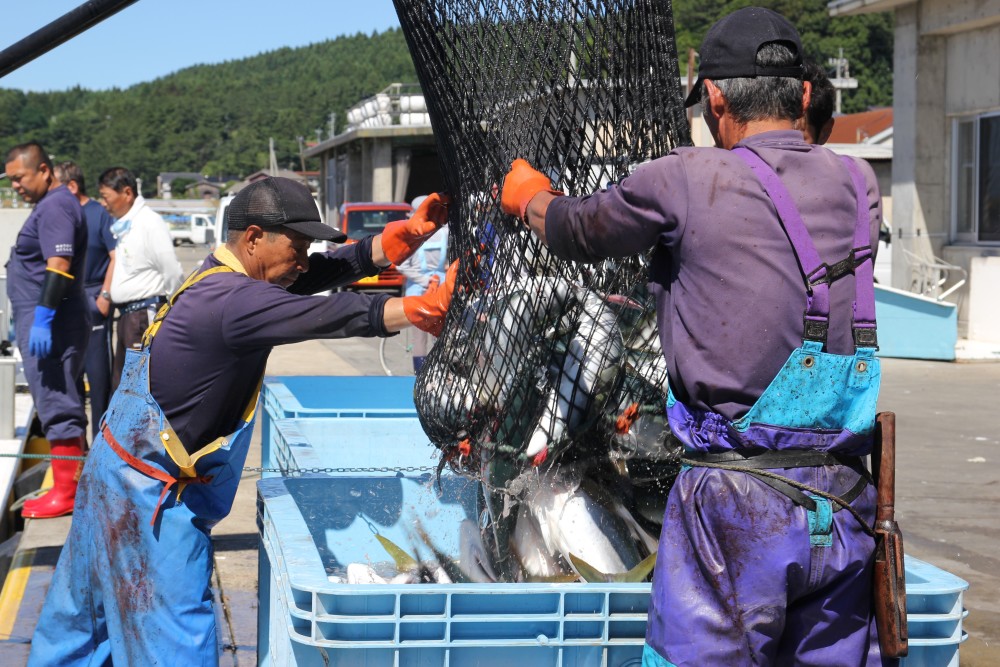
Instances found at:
x=216 y=119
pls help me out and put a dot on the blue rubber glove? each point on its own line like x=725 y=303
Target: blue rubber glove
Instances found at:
x=40 y=341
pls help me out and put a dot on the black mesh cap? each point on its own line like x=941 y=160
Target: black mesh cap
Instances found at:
x=280 y=202
x=730 y=47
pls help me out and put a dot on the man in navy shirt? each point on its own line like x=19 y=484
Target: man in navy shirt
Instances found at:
x=97 y=285
x=50 y=316
x=132 y=585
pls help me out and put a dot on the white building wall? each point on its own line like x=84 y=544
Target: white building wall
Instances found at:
x=973 y=83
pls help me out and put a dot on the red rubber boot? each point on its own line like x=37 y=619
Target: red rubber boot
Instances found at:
x=65 y=474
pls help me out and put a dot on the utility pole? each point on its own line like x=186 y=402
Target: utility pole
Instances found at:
x=273 y=166
x=691 y=54
x=842 y=79
x=302 y=153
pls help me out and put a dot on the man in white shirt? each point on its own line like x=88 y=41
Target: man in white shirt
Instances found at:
x=146 y=268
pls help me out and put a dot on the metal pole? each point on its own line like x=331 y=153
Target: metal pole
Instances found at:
x=64 y=28
x=691 y=80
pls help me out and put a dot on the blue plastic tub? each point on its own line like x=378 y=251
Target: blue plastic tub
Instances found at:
x=381 y=479
x=934 y=614
x=317 y=396
x=338 y=396
x=912 y=326
x=312 y=527
x=350 y=445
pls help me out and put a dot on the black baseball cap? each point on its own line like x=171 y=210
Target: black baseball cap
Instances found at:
x=280 y=202
x=729 y=50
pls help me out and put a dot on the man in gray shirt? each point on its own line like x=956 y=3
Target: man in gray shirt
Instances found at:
x=762 y=272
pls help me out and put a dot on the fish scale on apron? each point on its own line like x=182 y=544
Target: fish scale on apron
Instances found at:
x=756 y=565
x=132 y=586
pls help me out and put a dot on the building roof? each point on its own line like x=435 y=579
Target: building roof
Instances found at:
x=856 y=128
x=301 y=177
x=849 y=7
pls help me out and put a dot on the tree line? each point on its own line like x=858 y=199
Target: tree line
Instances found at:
x=217 y=119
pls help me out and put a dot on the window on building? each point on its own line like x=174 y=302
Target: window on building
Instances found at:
x=976 y=195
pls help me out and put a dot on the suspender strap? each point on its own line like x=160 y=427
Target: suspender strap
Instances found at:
x=151 y=471
x=230 y=263
x=864 y=279
x=818 y=275
x=817 y=315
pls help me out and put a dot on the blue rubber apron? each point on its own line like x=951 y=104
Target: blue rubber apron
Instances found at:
x=132 y=586
x=746 y=575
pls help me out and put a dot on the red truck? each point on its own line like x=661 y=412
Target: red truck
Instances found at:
x=361 y=219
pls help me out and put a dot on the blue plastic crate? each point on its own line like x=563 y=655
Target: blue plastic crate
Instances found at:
x=934 y=614
x=307 y=534
x=312 y=527
x=315 y=396
x=352 y=446
x=338 y=396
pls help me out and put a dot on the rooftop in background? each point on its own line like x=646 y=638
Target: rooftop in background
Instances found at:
x=856 y=128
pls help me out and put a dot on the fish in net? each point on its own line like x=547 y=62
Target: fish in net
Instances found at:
x=541 y=360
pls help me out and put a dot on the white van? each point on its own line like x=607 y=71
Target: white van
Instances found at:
x=193 y=228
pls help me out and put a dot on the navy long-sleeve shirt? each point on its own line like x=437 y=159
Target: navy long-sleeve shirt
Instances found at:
x=212 y=348
x=730 y=296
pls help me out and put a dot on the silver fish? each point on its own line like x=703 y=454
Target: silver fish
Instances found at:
x=571 y=521
x=589 y=368
x=534 y=555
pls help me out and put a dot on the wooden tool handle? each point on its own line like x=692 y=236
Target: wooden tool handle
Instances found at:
x=884 y=464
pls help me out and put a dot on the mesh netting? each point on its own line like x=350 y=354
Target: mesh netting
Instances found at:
x=542 y=359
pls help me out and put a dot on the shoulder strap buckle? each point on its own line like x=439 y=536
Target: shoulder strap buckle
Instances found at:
x=831 y=273
x=815 y=329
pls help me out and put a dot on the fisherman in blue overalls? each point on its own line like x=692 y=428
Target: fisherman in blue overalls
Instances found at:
x=762 y=272
x=430 y=260
x=51 y=323
x=132 y=586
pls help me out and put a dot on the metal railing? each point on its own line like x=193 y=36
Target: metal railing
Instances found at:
x=928 y=277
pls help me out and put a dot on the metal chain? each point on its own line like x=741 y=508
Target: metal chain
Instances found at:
x=282 y=471
x=53 y=457
x=299 y=471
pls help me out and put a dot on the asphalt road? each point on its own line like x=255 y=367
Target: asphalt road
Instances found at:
x=948 y=478
x=948 y=481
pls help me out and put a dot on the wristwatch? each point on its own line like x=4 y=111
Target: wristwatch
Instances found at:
x=105 y=294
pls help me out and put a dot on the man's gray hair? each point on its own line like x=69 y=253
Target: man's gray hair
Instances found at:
x=775 y=97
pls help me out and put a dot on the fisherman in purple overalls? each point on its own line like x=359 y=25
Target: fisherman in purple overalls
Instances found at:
x=762 y=272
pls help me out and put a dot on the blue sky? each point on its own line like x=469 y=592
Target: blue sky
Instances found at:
x=152 y=38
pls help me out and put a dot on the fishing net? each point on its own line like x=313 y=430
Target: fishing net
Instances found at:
x=543 y=359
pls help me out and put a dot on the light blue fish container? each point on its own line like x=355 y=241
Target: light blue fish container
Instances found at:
x=312 y=396
x=380 y=478
x=934 y=614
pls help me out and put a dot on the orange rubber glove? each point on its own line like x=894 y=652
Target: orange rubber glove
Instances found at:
x=520 y=185
x=426 y=312
x=401 y=238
